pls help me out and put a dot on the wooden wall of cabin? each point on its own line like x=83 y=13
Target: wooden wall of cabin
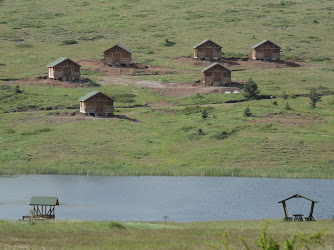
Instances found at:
x=67 y=70
x=117 y=55
x=266 y=52
x=216 y=77
x=98 y=104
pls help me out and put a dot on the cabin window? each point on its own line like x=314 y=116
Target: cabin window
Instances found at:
x=227 y=74
x=275 y=50
x=208 y=74
x=58 y=69
x=200 y=49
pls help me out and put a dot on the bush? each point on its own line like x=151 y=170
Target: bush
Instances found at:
x=251 y=90
x=314 y=97
x=284 y=95
x=247 y=112
x=287 y=106
x=169 y=43
x=68 y=42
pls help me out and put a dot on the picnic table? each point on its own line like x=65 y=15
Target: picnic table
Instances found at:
x=298 y=217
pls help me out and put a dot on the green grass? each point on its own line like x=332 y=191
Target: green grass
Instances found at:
x=41 y=133
x=139 y=235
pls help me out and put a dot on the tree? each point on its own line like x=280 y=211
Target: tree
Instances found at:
x=251 y=90
x=314 y=97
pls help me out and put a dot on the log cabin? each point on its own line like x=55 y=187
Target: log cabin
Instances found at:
x=118 y=55
x=64 y=69
x=266 y=50
x=216 y=75
x=207 y=50
x=96 y=103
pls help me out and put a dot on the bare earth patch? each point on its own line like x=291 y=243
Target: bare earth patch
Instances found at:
x=289 y=119
x=97 y=65
x=245 y=64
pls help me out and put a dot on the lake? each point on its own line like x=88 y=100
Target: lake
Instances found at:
x=148 y=198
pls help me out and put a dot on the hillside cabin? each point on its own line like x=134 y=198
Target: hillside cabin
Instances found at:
x=44 y=207
x=266 y=50
x=96 y=103
x=207 y=50
x=64 y=69
x=117 y=55
x=216 y=75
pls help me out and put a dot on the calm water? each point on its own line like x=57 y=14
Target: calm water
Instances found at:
x=181 y=198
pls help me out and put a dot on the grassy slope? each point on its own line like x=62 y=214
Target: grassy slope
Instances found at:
x=137 y=235
x=165 y=141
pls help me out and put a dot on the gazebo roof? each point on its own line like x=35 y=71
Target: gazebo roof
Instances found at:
x=298 y=196
x=44 y=201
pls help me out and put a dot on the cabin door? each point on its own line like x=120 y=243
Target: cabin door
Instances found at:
x=209 y=52
x=117 y=58
x=99 y=107
x=67 y=73
x=267 y=53
x=217 y=76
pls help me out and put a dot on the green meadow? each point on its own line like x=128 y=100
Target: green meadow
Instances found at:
x=141 y=235
x=42 y=132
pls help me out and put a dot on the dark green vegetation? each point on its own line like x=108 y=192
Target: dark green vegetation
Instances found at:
x=153 y=134
x=138 y=235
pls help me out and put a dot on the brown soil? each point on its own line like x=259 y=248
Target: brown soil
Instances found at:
x=185 y=91
x=97 y=65
x=245 y=64
x=288 y=119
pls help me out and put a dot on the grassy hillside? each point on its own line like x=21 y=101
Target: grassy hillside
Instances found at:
x=138 y=235
x=154 y=134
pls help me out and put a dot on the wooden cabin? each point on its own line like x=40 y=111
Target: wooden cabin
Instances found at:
x=44 y=207
x=117 y=55
x=266 y=50
x=96 y=103
x=64 y=69
x=216 y=75
x=207 y=50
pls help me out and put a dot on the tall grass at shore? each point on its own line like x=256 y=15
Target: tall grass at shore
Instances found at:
x=139 y=235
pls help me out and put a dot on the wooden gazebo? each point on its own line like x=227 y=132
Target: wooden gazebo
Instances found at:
x=44 y=207
x=298 y=216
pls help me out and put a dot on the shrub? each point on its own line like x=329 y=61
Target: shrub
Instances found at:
x=284 y=95
x=275 y=103
x=200 y=132
x=169 y=43
x=251 y=90
x=115 y=225
x=68 y=42
x=247 y=112
x=287 y=106
x=205 y=113
x=314 y=97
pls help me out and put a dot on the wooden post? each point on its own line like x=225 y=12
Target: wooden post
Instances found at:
x=285 y=210
x=311 y=211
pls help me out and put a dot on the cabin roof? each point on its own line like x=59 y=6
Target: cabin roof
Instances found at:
x=91 y=94
x=298 y=196
x=60 y=60
x=207 y=40
x=264 y=41
x=212 y=65
x=45 y=201
x=121 y=46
